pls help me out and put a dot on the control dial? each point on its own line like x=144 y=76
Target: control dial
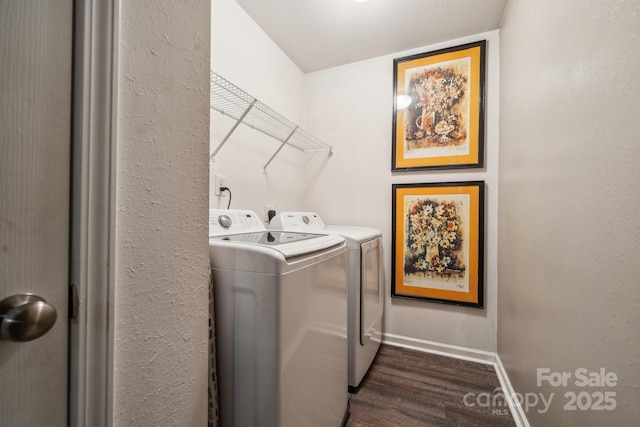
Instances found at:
x=225 y=221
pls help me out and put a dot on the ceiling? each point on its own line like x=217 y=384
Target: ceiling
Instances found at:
x=319 y=34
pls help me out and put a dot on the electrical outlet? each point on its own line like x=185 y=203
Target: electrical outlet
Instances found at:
x=268 y=208
x=219 y=182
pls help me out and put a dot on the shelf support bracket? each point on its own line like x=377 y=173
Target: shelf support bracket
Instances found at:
x=280 y=148
x=236 y=124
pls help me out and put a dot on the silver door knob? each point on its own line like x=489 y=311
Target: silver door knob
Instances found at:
x=25 y=317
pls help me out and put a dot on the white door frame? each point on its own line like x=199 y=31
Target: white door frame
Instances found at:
x=91 y=352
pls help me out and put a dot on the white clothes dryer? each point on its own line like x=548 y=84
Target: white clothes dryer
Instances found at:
x=280 y=323
x=366 y=285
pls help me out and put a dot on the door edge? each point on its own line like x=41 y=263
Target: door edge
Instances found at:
x=91 y=343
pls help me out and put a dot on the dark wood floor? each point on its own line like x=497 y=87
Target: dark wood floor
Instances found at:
x=406 y=388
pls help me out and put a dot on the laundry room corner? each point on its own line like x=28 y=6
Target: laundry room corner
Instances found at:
x=243 y=55
x=350 y=108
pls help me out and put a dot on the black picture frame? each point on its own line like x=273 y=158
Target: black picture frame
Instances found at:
x=443 y=127
x=438 y=242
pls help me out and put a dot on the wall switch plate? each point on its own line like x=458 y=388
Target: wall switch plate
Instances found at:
x=219 y=182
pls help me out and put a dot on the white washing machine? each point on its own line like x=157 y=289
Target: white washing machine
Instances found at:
x=366 y=285
x=280 y=323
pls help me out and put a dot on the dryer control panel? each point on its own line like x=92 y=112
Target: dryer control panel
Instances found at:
x=232 y=221
x=297 y=221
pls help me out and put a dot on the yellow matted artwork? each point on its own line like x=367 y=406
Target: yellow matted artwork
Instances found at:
x=438 y=241
x=438 y=114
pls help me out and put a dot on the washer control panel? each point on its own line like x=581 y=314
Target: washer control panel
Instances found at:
x=225 y=221
x=232 y=221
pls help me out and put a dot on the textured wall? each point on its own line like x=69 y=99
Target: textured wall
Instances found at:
x=162 y=262
x=569 y=258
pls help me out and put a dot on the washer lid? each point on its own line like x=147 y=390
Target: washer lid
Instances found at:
x=288 y=244
x=353 y=233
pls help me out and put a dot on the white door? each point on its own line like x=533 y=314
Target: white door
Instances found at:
x=35 y=155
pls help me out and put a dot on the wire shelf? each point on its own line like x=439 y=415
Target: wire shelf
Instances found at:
x=231 y=101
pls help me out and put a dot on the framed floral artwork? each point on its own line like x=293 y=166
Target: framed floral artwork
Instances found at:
x=438 y=242
x=438 y=109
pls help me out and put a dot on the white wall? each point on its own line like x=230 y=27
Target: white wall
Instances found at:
x=162 y=262
x=351 y=107
x=243 y=54
x=569 y=258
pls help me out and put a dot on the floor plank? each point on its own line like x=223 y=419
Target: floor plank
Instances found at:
x=407 y=388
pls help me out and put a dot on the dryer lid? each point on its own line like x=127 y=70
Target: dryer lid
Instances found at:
x=311 y=222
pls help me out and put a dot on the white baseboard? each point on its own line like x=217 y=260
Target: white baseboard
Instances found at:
x=472 y=355
x=465 y=353
x=519 y=416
